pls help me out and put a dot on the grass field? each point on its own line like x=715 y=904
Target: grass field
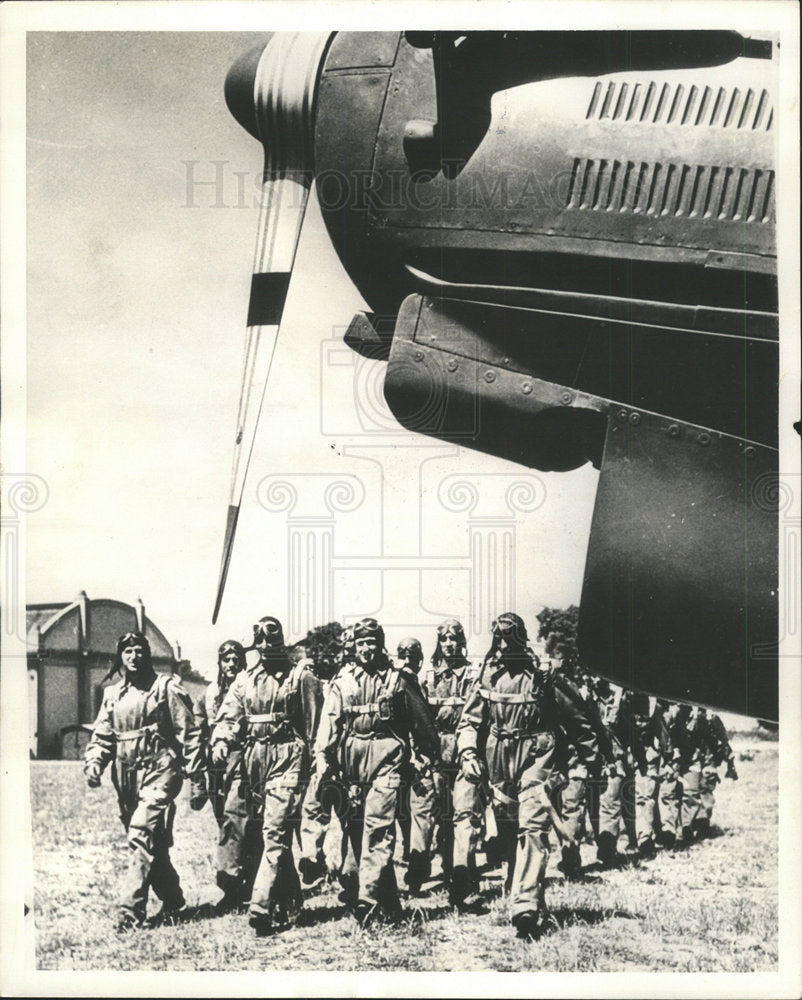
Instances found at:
x=711 y=907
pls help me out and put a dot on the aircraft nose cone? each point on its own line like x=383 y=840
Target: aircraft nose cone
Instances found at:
x=239 y=89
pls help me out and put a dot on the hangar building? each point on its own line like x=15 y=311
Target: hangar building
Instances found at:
x=71 y=647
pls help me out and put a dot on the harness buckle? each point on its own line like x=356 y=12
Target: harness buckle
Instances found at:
x=385 y=708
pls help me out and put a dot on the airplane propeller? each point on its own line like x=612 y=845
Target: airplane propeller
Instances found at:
x=271 y=91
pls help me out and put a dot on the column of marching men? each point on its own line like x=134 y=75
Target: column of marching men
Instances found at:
x=468 y=761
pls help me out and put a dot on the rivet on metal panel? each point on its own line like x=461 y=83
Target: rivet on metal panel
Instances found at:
x=566 y=397
x=749 y=451
x=526 y=388
x=418 y=355
x=490 y=376
x=634 y=418
x=704 y=439
x=622 y=415
x=673 y=430
x=452 y=365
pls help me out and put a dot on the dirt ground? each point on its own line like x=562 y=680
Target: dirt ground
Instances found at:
x=710 y=907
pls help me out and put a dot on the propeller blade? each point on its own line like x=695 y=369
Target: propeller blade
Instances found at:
x=282 y=85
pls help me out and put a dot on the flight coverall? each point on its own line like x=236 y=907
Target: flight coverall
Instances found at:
x=271 y=713
x=706 y=749
x=649 y=741
x=374 y=715
x=456 y=803
x=616 y=805
x=218 y=779
x=677 y=752
x=512 y=717
x=150 y=737
x=717 y=751
x=417 y=804
x=579 y=788
x=319 y=804
x=315 y=815
x=239 y=841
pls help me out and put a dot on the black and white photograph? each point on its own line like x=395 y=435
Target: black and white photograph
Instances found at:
x=400 y=499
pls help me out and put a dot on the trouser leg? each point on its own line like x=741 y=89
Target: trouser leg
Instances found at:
x=277 y=888
x=609 y=818
x=422 y=803
x=163 y=876
x=315 y=819
x=670 y=804
x=507 y=832
x=645 y=806
x=628 y=808
x=573 y=806
x=352 y=822
x=573 y=811
x=239 y=842
x=404 y=817
x=592 y=805
x=218 y=782
x=527 y=891
x=710 y=779
x=377 y=884
x=469 y=802
x=446 y=808
x=147 y=838
x=423 y=813
x=691 y=796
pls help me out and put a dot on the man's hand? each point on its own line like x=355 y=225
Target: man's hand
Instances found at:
x=422 y=779
x=323 y=769
x=197 y=796
x=219 y=753
x=472 y=767
x=93 y=776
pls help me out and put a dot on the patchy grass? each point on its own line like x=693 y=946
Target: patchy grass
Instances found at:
x=711 y=907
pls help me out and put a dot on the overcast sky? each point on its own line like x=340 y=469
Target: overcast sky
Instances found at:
x=138 y=281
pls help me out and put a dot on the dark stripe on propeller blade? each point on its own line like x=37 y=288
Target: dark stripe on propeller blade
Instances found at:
x=268 y=295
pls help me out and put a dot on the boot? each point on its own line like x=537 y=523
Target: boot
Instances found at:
x=261 y=923
x=532 y=924
x=462 y=892
x=312 y=870
x=571 y=864
x=494 y=853
x=418 y=871
x=606 y=853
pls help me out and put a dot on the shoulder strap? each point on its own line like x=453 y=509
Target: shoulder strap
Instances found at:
x=162 y=681
x=392 y=680
x=296 y=672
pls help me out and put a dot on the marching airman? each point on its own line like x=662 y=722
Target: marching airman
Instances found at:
x=509 y=727
x=146 y=729
x=271 y=713
x=374 y=715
